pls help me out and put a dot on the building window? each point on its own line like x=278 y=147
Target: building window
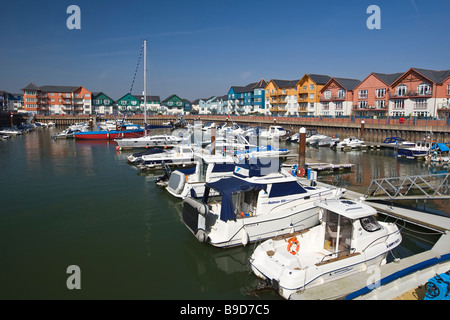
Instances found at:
x=338 y=105
x=311 y=87
x=380 y=93
x=311 y=95
x=362 y=94
x=341 y=94
x=327 y=94
x=402 y=90
x=448 y=89
x=362 y=104
x=399 y=104
x=326 y=106
x=380 y=104
x=424 y=89
x=421 y=104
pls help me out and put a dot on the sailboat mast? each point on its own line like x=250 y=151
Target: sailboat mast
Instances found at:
x=145 y=87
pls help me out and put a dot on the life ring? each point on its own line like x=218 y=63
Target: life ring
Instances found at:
x=293 y=245
x=301 y=172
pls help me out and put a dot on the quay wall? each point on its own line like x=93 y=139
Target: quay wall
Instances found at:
x=371 y=130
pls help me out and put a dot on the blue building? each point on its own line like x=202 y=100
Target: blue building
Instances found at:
x=248 y=99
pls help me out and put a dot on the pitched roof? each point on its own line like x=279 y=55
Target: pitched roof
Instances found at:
x=51 y=88
x=31 y=86
x=433 y=75
x=285 y=83
x=388 y=78
x=250 y=87
x=149 y=98
x=348 y=84
x=319 y=78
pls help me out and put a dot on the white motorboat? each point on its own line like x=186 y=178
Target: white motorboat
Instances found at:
x=12 y=131
x=178 y=156
x=351 y=142
x=396 y=142
x=266 y=151
x=258 y=202
x=229 y=129
x=136 y=158
x=191 y=183
x=348 y=240
x=228 y=144
x=163 y=140
x=315 y=138
x=274 y=132
x=328 y=142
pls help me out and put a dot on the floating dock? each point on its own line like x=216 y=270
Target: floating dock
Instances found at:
x=394 y=278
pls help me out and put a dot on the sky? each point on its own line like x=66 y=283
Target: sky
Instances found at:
x=200 y=48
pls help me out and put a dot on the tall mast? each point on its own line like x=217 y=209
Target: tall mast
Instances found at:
x=145 y=87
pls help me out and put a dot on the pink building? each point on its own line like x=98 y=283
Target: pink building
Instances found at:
x=371 y=96
x=336 y=97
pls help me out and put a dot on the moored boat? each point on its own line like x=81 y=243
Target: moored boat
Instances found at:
x=348 y=240
x=122 y=131
x=258 y=202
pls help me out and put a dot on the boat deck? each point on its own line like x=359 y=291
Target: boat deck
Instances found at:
x=394 y=278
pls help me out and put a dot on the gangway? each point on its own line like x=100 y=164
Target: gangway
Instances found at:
x=432 y=186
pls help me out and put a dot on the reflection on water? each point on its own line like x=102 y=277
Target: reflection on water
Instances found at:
x=70 y=202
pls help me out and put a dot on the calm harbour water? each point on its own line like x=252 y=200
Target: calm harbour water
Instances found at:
x=68 y=202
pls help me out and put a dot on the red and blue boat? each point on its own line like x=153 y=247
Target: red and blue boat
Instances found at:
x=121 y=131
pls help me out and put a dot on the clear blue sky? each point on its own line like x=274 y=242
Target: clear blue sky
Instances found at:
x=200 y=48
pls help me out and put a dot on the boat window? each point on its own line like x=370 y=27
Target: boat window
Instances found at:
x=338 y=233
x=285 y=189
x=223 y=167
x=370 y=224
x=245 y=203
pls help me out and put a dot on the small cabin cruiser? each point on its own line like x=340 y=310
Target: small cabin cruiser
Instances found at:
x=396 y=142
x=348 y=240
x=136 y=158
x=178 y=156
x=191 y=182
x=351 y=142
x=163 y=140
x=258 y=202
x=263 y=152
x=274 y=132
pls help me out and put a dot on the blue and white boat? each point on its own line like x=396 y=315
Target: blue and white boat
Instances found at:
x=419 y=150
x=257 y=202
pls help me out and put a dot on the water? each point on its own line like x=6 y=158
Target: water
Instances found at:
x=68 y=202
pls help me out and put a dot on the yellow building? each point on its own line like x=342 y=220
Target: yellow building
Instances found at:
x=281 y=97
x=308 y=89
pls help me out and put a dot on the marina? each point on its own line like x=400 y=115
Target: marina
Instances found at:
x=125 y=223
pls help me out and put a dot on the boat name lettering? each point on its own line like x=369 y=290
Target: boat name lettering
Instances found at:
x=393 y=243
x=278 y=201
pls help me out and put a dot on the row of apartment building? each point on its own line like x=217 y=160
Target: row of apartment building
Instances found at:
x=416 y=92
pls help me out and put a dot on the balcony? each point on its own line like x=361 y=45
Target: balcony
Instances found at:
x=279 y=101
x=444 y=106
x=420 y=106
x=277 y=109
x=410 y=94
x=332 y=98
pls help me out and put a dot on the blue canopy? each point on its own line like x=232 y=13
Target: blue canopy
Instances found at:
x=441 y=146
x=227 y=187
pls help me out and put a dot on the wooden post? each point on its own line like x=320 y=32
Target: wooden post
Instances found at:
x=362 y=130
x=301 y=152
x=213 y=139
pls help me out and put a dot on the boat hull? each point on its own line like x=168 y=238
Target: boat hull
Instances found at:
x=108 y=135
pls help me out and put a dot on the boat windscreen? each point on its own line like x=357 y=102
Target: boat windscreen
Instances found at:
x=286 y=189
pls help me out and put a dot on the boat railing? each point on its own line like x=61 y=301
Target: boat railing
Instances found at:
x=346 y=253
